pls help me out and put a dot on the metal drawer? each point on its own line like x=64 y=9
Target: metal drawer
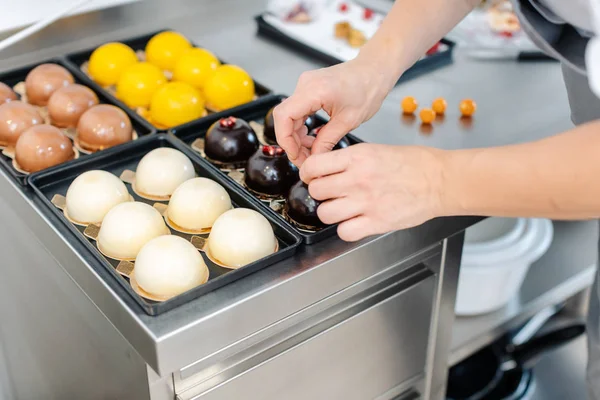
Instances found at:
x=380 y=347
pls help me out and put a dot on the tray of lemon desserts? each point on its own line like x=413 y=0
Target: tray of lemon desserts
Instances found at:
x=243 y=148
x=166 y=78
x=166 y=225
x=49 y=116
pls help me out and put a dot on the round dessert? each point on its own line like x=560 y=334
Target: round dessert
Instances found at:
x=15 y=118
x=311 y=122
x=196 y=204
x=230 y=141
x=44 y=80
x=41 y=147
x=165 y=49
x=176 y=103
x=169 y=265
x=195 y=66
x=6 y=94
x=138 y=83
x=301 y=208
x=92 y=194
x=342 y=144
x=127 y=227
x=240 y=237
x=103 y=126
x=229 y=86
x=269 y=128
x=161 y=171
x=269 y=172
x=108 y=62
x=68 y=103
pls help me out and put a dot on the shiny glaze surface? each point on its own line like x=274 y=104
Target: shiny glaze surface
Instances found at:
x=301 y=207
x=41 y=147
x=230 y=140
x=269 y=128
x=342 y=144
x=44 y=80
x=68 y=103
x=6 y=93
x=15 y=118
x=270 y=172
x=103 y=126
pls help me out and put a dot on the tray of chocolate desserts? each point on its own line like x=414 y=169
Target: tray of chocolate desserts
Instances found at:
x=334 y=32
x=162 y=221
x=49 y=116
x=166 y=78
x=243 y=148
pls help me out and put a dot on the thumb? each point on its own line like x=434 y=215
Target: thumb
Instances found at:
x=329 y=135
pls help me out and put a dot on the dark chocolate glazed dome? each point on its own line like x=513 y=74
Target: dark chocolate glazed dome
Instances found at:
x=269 y=126
x=230 y=140
x=270 y=172
x=342 y=144
x=301 y=207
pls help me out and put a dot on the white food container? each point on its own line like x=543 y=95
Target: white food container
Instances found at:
x=496 y=258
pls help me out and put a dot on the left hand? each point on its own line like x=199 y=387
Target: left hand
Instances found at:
x=373 y=189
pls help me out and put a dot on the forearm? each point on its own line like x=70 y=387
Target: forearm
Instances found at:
x=409 y=30
x=557 y=177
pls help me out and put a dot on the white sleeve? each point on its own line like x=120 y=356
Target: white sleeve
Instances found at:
x=592 y=51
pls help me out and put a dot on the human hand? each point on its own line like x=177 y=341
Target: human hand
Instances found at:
x=350 y=93
x=373 y=189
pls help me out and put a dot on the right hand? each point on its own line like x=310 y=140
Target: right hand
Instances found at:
x=350 y=93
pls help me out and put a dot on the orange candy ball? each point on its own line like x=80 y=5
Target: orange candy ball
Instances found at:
x=439 y=105
x=467 y=107
x=409 y=105
x=427 y=115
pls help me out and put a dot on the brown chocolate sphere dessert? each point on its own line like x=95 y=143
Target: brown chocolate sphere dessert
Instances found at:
x=269 y=172
x=103 y=126
x=269 y=126
x=230 y=141
x=41 y=147
x=68 y=103
x=301 y=208
x=15 y=118
x=342 y=144
x=6 y=94
x=44 y=80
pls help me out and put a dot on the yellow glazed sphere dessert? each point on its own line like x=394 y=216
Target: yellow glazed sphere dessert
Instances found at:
x=165 y=49
x=138 y=83
x=229 y=86
x=176 y=103
x=195 y=66
x=109 y=61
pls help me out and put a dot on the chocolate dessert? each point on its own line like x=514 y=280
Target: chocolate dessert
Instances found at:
x=269 y=172
x=301 y=208
x=230 y=141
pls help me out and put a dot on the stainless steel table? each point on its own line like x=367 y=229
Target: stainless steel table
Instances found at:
x=354 y=321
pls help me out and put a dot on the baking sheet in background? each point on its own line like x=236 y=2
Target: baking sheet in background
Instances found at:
x=25 y=12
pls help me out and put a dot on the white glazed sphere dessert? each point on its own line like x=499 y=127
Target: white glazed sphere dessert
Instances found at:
x=127 y=228
x=241 y=236
x=92 y=194
x=161 y=171
x=169 y=265
x=197 y=203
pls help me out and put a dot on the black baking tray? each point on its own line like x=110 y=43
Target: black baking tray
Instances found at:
x=77 y=59
x=256 y=112
x=12 y=77
x=115 y=160
x=421 y=67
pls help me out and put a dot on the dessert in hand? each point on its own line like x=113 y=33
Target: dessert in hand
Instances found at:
x=301 y=208
x=103 y=126
x=269 y=172
x=41 y=147
x=342 y=144
x=42 y=81
x=68 y=104
x=15 y=118
x=230 y=141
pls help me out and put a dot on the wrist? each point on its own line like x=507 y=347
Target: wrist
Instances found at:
x=456 y=182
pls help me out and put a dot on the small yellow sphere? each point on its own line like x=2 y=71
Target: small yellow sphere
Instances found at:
x=228 y=87
x=195 y=66
x=138 y=83
x=165 y=48
x=108 y=62
x=176 y=103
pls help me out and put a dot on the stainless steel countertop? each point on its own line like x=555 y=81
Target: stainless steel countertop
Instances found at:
x=517 y=102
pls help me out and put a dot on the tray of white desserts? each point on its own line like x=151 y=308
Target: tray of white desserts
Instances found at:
x=166 y=225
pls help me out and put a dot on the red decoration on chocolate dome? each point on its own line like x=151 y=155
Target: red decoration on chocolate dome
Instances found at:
x=272 y=150
x=228 y=122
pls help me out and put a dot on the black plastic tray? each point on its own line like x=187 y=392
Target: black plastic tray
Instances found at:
x=12 y=77
x=77 y=59
x=421 y=67
x=256 y=112
x=57 y=180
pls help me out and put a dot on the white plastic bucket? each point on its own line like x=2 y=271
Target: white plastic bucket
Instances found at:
x=496 y=258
